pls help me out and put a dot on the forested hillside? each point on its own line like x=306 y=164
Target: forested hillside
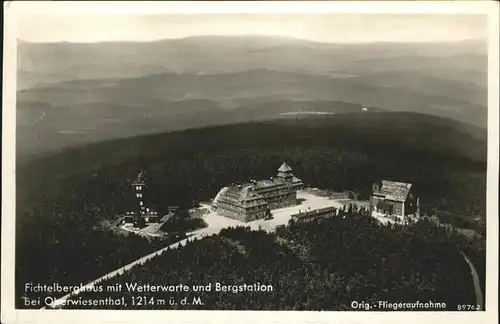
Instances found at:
x=323 y=265
x=49 y=128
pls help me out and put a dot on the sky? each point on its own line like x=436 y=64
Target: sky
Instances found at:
x=333 y=28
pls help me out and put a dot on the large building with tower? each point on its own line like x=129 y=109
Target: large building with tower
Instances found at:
x=140 y=210
x=255 y=199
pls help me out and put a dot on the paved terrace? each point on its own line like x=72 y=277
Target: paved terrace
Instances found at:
x=308 y=201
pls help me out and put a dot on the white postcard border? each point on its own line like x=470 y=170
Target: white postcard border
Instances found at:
x=12 y=12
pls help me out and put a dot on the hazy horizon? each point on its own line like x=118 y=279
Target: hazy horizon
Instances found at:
x=472 y=39
x=323 y=28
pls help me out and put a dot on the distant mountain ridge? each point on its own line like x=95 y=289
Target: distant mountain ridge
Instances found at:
x=218 y=54
x=121 y=88
x=390 y=91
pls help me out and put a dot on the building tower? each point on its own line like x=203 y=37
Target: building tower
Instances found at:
x=285 y=173
x=138 y=186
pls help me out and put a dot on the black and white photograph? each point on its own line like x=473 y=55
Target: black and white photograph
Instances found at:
x=201 y=157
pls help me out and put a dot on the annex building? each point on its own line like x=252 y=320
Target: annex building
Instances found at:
x=311 y=215
x=255 y=200
x=394 y=198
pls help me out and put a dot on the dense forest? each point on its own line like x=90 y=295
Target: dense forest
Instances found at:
x=73 y=251
x=183 y=222
x=321 y=265
x=62 y=198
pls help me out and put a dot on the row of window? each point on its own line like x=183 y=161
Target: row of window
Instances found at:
x=279 y=198
x=261 y=207
x=230 y=207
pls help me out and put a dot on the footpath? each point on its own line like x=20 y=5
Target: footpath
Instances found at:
x=191 y=236
x=475 y=281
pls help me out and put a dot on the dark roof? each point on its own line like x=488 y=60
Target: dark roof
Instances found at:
x=264 y=183
x=397 y=191
x=315 y=212
x=239 y=195
x=259 y=184
x=284 y=168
